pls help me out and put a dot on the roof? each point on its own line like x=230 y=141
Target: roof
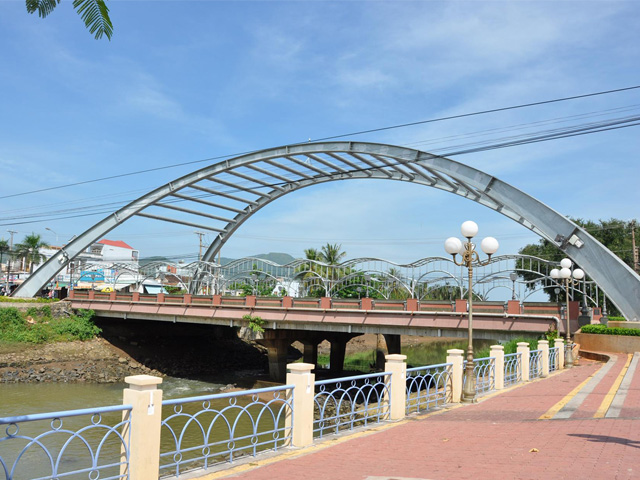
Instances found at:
x=115 y=243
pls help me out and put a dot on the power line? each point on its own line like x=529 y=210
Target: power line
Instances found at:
x=361 y=132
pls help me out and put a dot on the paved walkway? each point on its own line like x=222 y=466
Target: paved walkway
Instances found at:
x=578 y=423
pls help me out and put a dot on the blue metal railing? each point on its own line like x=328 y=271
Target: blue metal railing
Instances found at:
x=512 y=370
x=428 y=387
x=535 y=364
x=212 y=429
x=67 y=447
x=345 y=403
x=554 y=363
x=484 y=370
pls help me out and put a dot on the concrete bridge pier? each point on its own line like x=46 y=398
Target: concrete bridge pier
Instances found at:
x=338 y=348
x=392 y=344
x=277 y=347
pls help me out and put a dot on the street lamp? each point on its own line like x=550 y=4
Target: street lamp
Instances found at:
x=454 y=246
x=254 y=277
x=565 y=276
x=513 y=276
x=367 y=277
x=47 y=228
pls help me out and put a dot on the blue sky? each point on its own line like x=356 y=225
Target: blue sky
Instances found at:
x=184 y=81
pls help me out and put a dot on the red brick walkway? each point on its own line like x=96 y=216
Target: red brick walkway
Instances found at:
x=499 y=437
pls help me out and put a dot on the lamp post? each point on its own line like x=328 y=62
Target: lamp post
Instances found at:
x=470 y=257
x=47 y=228
x=254 y=278
x=367 y=277
x=564 y=276
x=513 y=276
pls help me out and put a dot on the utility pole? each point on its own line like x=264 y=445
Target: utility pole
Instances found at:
x=636 y=263
x=8 y=289
x=200 y=234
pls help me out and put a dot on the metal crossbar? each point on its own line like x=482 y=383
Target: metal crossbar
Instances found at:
x=67 y=445
x=512 y=369
x=212 y=429
x=349 y=402
x=428 y=387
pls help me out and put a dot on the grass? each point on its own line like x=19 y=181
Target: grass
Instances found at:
x=37 y=325
x=4 y=299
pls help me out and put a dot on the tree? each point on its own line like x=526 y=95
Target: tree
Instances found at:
x=94 y=13
x=614 y=234
x=4 y=248
x=331 y=254
x=29 y=249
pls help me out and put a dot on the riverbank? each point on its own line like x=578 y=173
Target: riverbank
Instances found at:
x=95 y=361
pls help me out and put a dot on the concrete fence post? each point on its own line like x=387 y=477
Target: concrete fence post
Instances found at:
x=397 y=395
x=543 y=346
x=454 y=356
x=143 y=431
x=559 y=344
x=497 y=352
x=523 y=366
x=301 y=419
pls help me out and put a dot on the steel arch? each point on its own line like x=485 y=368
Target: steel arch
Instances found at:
x=263 y=177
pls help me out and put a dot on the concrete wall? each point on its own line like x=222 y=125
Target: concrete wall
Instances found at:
x=607 y=343
x=624 y=324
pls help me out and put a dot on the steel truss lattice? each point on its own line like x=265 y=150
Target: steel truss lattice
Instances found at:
x=219 y=198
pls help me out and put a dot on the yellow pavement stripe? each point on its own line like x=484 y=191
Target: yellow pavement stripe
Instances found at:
x=558 y=406
x=608 y=398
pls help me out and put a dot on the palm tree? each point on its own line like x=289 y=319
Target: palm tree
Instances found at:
x=29 y=249
x=331 y=254
x=4 y=248
x=94 y=13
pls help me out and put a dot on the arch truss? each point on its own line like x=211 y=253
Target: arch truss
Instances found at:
x=219 y=198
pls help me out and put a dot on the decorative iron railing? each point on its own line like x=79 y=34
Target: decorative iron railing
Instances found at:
x=484 y=370
x=209 y=430
x=349 y=402
x=512 y=369
x=554 y=361
x=428 y=387
x=67 y=445
x=535 y=364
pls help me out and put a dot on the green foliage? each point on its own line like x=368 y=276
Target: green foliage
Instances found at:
x=604 y=330
x=94 y=13
x=29 y=249
x=255 y=323
x=173 y=290
x=614 y=234
x=36 y=325
x=28 y=300
x=616 y=319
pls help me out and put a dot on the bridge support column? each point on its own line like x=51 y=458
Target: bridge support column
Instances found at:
x=559 y=344
x=277 y=355
x=454 y=356
x=310 y=354
x=393 y=343
x=497 y=352
x=523 y=350
x=336 y=357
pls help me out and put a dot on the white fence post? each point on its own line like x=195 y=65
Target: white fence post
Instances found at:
x=543 y=346
x=523 y=350
x=497 y=352
x=143 y=431
x=454 y=356
x=398 y=396
x=559 y=344
x=301 y=419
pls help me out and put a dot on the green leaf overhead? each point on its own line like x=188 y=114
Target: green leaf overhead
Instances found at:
x=95 y=15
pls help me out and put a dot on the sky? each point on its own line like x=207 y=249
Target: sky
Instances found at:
x=191 y=82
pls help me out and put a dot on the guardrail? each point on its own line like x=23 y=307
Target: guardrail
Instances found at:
x=146 y=437
x=91 y=443
x=512 y=307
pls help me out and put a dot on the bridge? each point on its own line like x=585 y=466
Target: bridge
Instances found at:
x=312 y=320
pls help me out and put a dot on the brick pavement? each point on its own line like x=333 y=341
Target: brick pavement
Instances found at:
x=501 y=436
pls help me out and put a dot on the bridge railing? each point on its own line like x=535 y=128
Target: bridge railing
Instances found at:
x=122 y=442
x=460 y=306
